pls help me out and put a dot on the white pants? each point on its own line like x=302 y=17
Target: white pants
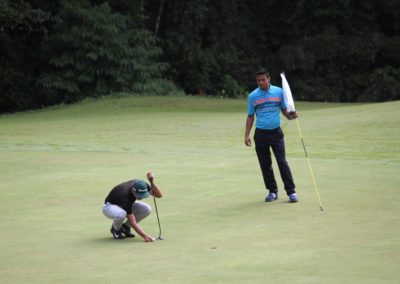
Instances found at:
x=139 y=209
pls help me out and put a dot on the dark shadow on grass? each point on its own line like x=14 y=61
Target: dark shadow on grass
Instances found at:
x=253 y=204
x=109 y=240
x=256 y=205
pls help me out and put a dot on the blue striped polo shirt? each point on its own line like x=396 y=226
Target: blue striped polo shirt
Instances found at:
x=267 y=106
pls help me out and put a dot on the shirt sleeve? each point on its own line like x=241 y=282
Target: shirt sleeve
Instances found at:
x=250 y=106
x=128 y=209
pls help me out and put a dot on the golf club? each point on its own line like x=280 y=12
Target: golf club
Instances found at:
x=158 y=219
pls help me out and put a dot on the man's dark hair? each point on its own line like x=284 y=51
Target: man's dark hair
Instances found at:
x=262 y=71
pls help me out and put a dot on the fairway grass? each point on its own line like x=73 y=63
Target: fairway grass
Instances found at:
x=58 y=164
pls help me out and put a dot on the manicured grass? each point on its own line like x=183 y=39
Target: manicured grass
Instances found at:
x=57 y=165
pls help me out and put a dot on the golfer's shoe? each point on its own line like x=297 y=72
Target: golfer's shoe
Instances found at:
x=116 y=233
x=293 y=198
x=271 y=197
x=126 y=230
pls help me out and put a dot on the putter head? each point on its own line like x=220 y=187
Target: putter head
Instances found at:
x=160 y=238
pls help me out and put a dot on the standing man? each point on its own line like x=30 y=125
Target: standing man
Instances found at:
x=267 y=102
x=122 y=203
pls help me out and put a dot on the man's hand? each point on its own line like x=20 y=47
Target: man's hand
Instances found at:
x=291 y=115
x=155 y=191
x=149 y=239
x=150 y=176
x=249 y=124
x=247 y=141
x=138 y=229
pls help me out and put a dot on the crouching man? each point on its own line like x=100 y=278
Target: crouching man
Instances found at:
x=122 y=206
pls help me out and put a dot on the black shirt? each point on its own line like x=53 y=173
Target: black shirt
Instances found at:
x=122 y=196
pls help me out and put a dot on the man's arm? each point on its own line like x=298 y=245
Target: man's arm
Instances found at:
x=249 y=125
x=138 y=229
x=155 y=191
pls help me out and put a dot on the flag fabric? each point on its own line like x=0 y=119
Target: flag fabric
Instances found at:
x=287 y=94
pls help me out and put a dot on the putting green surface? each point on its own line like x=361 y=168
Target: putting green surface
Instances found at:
x=57 y=165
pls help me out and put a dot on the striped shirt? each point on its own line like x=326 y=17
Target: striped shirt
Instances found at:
x=267 y=105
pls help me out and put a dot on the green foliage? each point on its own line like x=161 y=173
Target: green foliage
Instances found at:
x=62 y=51
x=203 y=44
x=383 y=85
x=334 y=53
x=21 y=30
x=231 y=88
x=327 y=48
x=158 y=87
x=95 y=52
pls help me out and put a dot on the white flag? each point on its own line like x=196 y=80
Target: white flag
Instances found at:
x=287 y=94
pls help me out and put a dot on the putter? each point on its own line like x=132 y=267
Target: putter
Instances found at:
x=158 y=219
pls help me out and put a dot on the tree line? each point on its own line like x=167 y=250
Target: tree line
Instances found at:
x=63 y=51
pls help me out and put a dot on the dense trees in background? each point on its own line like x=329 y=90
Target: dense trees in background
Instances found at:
x=63 y=51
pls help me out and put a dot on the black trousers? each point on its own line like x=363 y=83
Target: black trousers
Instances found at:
x=273 y=139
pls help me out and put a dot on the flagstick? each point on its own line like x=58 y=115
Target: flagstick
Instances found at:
x=309 y=164
x=290 y=107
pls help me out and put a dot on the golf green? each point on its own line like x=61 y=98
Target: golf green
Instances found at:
x=58 y=164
